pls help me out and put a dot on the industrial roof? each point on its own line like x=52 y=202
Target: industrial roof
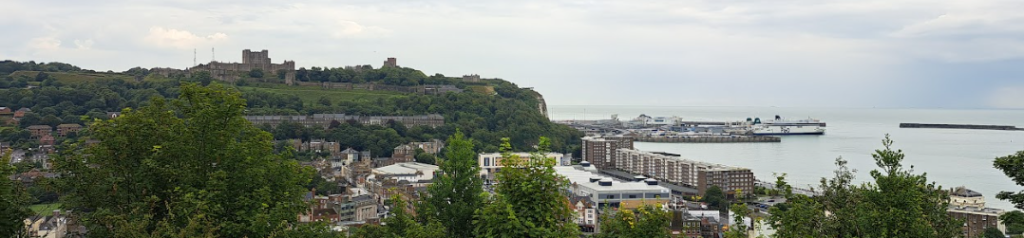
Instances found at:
x=582 y=178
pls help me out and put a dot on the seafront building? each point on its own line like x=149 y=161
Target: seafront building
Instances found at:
x=969 y=205
x=600 y=150
x=674 y=169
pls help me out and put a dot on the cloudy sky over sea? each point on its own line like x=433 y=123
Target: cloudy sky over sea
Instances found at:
x=802 y=53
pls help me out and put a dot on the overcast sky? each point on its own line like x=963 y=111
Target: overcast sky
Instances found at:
x=799 y=53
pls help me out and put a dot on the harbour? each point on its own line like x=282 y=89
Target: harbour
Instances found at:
x=949 y=157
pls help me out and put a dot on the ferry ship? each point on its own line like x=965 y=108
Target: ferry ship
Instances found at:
x=787 y=127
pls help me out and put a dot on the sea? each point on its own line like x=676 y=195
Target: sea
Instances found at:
x=948 y=157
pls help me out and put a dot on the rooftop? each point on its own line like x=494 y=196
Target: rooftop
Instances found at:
x=408 y=168
x=964 y=192
x=582 y=178
x=976 y=210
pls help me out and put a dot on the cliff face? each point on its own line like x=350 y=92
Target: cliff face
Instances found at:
x=541 y=105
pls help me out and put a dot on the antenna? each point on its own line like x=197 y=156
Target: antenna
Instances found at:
x=193 y=56
x=213 y=52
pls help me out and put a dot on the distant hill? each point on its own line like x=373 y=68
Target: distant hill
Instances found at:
x=484 y=109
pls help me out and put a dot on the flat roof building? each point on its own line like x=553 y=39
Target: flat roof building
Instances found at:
x=674 y=169
x=606 y=191
x=490 y=163
x=601 y=151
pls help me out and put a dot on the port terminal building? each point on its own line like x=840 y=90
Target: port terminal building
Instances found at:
x=585 y=181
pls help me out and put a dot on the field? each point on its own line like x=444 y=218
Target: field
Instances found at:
x=44 y=209
x=313 y=94
x=77 y=77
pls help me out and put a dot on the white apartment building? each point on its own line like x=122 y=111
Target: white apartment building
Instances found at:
x=490 y=163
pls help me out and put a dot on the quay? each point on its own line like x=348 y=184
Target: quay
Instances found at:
x=960 y=126
x=711 y=139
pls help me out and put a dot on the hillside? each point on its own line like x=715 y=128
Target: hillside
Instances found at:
x=485 y=110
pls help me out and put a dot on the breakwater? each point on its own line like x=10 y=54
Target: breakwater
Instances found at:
x=711 y=139
x=960 y=126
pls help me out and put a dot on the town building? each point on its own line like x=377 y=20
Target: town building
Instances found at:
x=969 y=205
x=68 y=129
x=601 y=150
x=606 y=191
x=403 y=153
x=54 y=226
x=317 y=146
x=586 y=213
x=490 y=163
x=404 y=179
x=431 y=147
x=676 y=170
x=734 y=181
x=39 y=130
x=321 y=208
x=47 y=140
x=21 y=112
x=325 y=120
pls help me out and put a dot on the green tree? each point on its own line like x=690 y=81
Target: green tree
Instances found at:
x=1014 y=221
x=324 y=101
x=741 y=229
x=1013 y=167
x=646 y=221
x=189 y=168
x=256 y=73
x=456 y=191
x=715 y=198
x=993 y=232
x=203 y=77
x=400 y=224
x=13 y=200
x=528 y=200
x=897 y=203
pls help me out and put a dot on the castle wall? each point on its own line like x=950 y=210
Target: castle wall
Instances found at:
x=231 y=72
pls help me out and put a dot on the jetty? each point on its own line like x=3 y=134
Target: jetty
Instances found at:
x=710 y=139
x=960 y=126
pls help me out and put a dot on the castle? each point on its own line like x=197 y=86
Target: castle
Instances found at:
x=251 y=60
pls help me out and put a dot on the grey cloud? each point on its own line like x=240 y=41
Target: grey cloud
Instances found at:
x=688 y=52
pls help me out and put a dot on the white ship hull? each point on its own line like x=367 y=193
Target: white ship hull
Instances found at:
x=802 y=127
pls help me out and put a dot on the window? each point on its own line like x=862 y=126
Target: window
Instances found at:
x=632 y=196
x=487 y=161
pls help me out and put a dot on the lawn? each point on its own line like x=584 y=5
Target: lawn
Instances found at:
x=44 y=209
x=77 y=77
x=311 y=94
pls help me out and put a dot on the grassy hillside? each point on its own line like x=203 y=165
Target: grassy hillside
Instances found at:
x=74 y=77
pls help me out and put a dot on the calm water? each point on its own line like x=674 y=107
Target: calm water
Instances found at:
x=949 y=157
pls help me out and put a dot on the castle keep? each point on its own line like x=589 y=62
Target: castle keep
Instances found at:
x=231 y=72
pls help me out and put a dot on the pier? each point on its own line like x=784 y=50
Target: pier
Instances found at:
x=960 y=126
x=711 y=139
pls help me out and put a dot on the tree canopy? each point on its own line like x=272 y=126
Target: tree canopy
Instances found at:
x=191 y=167
x=528 y=200
x=645 y=221
x=13 y=200
x=1013 y=167
x=897 y=203
x=457 y=190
